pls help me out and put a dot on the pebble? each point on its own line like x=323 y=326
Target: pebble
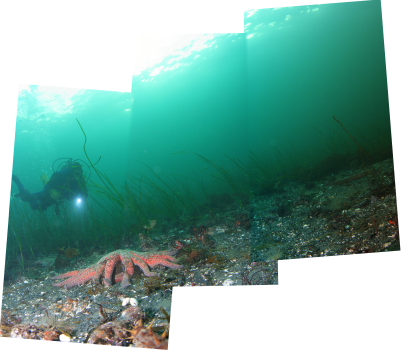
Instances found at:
x=228 y=282
x=64 y=338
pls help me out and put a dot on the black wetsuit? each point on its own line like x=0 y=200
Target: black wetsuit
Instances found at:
x=67 y=184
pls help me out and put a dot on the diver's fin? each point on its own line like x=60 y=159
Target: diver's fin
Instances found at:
x=23 y=192
x=16 y=179
x=18 y=183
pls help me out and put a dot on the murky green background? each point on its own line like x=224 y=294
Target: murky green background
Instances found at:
x=232 y=114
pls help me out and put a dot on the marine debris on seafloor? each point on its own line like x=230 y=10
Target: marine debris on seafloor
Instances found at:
x=127 y=329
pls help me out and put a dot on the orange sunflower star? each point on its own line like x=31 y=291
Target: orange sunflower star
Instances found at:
x=105 y=269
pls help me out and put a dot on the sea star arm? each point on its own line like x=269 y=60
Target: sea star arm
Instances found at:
x=128 y=265
x=111 y=262
x=129 y=269
x=125 y=280
x=83 y=276
x=67 y=274
x=162 y=256
x=138 y=260
x=166 y=253
x=153 y=261
x=99 y=272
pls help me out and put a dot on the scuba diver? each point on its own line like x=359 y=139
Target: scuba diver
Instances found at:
x=67 y=182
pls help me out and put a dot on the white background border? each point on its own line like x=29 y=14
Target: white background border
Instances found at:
x=321 y=303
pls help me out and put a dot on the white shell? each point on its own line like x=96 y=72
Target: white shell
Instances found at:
x=64 y=337
x=131 y=301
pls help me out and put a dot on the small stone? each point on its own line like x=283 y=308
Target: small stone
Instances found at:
x=133 y=302
x=64 y=338
x=228 y=282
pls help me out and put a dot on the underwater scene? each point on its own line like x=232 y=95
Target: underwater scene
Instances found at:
x=231 y=152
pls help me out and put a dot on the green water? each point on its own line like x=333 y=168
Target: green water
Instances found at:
x=272 y=91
